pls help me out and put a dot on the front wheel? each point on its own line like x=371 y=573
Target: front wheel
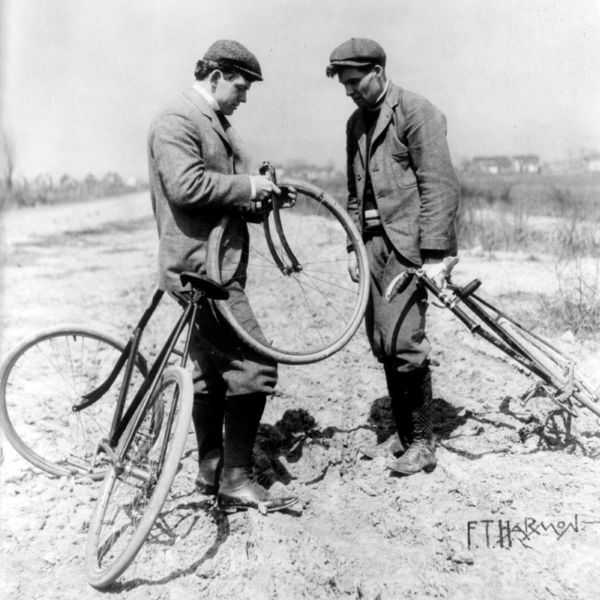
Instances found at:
x=293 y=270
x=555 y=368
x=43 y=379
x=138 y=482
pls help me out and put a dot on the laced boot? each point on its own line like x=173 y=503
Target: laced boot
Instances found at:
x=420 y=456
x=416 y=422
x=240 y=491
x=391 y=447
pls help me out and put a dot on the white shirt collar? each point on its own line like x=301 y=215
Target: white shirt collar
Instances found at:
x=207 y=96
x=383 y=93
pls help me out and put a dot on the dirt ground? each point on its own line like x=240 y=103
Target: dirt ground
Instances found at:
x=511 y=512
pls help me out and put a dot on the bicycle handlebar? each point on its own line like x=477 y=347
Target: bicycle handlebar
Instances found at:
x=392 y=288
x=449 y=300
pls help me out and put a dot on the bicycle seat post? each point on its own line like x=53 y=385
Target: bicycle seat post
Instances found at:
x=196 y=297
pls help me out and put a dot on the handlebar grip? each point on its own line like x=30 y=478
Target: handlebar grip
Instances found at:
x=468 y=289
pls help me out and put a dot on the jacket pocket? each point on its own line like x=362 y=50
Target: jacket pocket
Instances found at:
x=401 y=165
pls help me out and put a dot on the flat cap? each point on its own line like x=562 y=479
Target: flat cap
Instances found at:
x=356 y=52
x=233 y=55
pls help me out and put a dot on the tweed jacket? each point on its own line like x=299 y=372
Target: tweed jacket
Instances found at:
x=196 y=176
x=414 y=184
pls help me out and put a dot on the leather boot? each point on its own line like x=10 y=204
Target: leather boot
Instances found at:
x=209 y=469
x=240 y=491
x=412 y=405
x=420 y=456
x=207 y=416
x=399 y=390
x=238 y=488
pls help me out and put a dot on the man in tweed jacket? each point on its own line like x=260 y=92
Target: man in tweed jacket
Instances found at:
x=403 y=195
x=197 y=174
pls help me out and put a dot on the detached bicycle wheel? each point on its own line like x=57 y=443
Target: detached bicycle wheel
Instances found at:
x=559 y=370
x=294 y=273
x=138 y=482
x=41 y=381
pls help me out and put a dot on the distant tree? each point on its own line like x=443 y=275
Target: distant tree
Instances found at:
x=7 y=160
x=112 y=183
x=90 y=183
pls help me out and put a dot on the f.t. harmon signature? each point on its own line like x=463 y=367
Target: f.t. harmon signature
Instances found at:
x=505 y=533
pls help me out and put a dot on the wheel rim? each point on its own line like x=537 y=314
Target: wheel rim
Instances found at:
x=304 y=314
x=134 y=490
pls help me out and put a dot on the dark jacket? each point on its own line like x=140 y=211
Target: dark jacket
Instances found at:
x=414 y=184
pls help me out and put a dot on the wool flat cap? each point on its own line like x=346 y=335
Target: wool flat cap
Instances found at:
x=356 y=52
x=234 y=55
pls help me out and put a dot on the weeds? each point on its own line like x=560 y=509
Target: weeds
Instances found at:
x=553 y=216
x=576 y=303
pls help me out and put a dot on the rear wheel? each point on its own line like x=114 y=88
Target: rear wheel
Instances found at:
x=41 y=381
x=294 y=272
x=138 y=483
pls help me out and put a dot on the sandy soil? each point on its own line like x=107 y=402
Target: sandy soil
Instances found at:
x=511 y=511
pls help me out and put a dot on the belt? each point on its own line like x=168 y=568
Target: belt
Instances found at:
x=372 y=223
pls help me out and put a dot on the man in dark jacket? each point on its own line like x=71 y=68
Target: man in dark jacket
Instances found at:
x=197 y=175
x=403 y=195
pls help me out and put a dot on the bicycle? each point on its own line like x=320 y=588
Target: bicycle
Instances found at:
x=139 y=457
x=146 y=444
x=558 y=378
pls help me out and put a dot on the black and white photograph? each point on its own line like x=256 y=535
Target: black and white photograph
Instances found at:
x=299 y=300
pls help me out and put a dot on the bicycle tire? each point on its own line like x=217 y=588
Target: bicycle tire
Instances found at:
x=134 y=492
x=42 y=379
x=559 y=370
x=321 y=308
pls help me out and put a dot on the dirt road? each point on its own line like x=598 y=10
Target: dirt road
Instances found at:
x=511 y=512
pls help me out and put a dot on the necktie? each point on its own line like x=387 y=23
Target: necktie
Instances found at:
x=235 y=142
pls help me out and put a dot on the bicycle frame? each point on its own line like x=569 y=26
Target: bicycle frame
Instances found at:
x=276 y=205
x=122 y=415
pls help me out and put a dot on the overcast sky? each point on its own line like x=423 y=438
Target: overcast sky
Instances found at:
x=81 y=79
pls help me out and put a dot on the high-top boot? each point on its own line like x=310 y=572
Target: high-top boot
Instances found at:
x=238 y=488
x=412 y=406
x=207 y=416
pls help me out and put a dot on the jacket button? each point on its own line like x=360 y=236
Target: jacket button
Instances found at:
x=358 y=177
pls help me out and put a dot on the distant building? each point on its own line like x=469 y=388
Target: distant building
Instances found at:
x=309 y=171
x=499 y=165
x=493 y=165
x=528 y=163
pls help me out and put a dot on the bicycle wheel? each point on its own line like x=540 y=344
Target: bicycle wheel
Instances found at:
x=137 y=485
x=297 y=284
x=559 y=370
x=40 y=382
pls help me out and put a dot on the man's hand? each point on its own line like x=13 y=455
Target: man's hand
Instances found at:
x=264 y=188
x=436 y=271
x=353 y=266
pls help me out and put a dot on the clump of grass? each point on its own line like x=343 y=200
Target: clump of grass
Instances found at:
x=575 y=305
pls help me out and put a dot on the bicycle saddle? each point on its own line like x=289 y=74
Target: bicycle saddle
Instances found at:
x=209 y=286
